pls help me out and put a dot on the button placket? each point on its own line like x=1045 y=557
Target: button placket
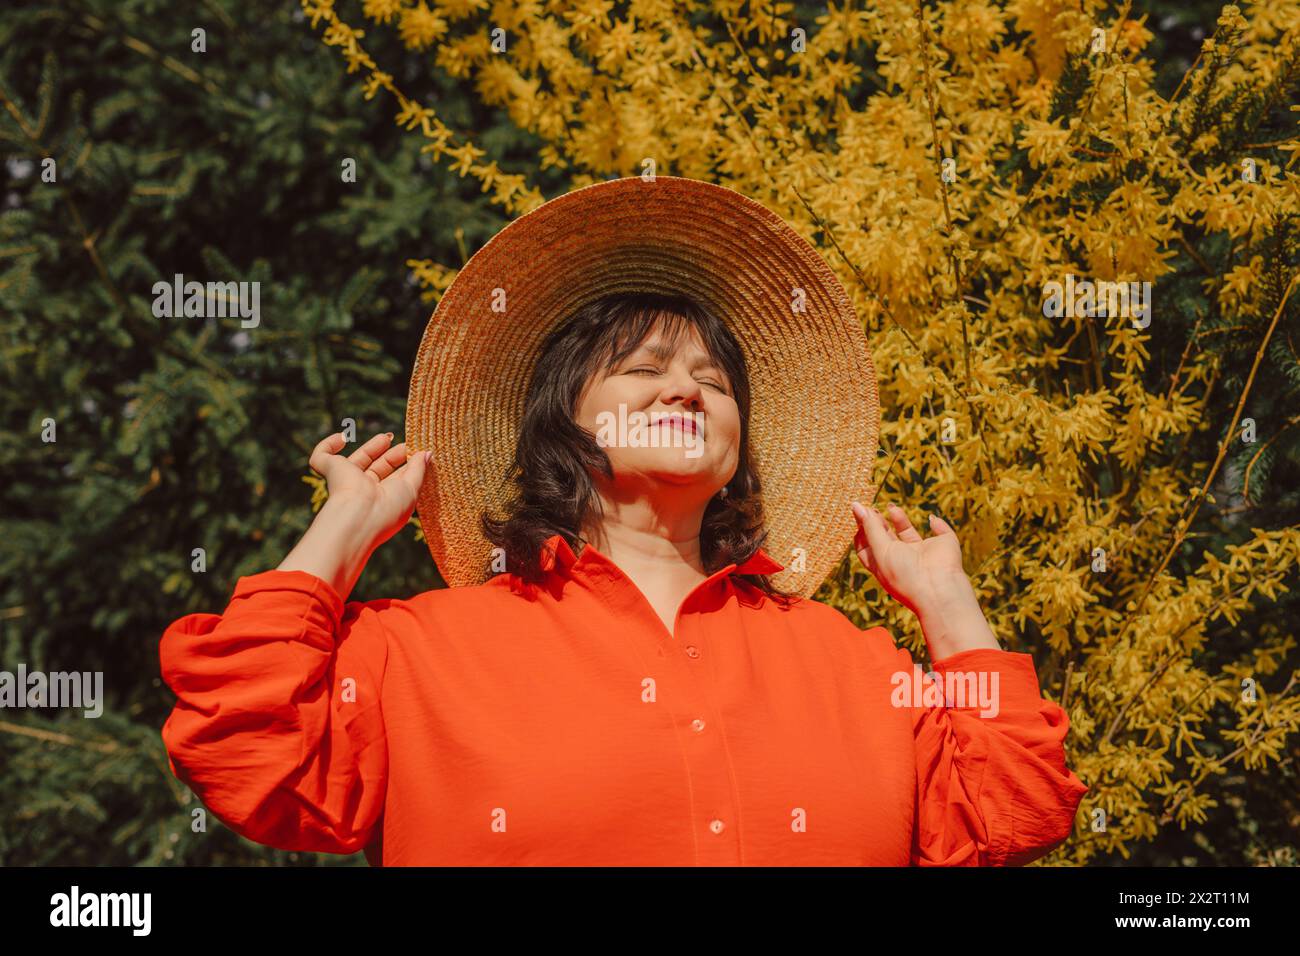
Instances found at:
x=705 y=752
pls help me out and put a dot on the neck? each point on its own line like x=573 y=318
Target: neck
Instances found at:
x=645 y=534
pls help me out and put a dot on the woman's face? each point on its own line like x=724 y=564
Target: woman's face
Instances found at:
x=665 y=417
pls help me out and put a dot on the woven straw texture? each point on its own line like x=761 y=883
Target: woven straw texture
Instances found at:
x=814 y=417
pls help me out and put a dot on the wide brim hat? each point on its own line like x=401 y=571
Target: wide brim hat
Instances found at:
x=814 y=416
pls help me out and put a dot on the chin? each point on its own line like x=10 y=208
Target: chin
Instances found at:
x=685 y=469
x=674 y=473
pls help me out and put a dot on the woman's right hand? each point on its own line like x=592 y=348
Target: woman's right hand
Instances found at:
x=372 y=493
x=376 y=486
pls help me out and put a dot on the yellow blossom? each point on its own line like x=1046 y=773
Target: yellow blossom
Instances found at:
x=381 y=11
x=950 y=184
x=420 y=26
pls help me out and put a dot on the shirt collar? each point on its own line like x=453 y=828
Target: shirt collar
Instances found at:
x=556 y=550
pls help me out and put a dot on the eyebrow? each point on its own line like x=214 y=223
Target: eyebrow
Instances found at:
x=662 y=351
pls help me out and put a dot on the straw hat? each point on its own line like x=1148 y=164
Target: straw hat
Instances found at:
x=814 y=414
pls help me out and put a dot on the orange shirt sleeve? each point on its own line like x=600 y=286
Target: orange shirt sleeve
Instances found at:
x=992 y=790
x=277 y=726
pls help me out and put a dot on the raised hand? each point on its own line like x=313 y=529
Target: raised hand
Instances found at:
x=372 y=493
x=918 y=572
x=926 y=576
x=376 y=483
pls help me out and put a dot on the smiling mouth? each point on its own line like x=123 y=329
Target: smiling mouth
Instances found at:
x=678 y=421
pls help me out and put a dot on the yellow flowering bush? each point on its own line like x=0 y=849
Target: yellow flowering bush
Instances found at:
x=955 y=161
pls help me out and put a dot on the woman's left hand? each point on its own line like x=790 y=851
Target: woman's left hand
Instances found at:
x=923 y=574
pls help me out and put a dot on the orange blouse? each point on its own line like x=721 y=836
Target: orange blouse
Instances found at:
x=563 y=725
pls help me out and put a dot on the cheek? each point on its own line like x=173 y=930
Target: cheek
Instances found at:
x=591 y=405
x=606 y=397
x=727 y=427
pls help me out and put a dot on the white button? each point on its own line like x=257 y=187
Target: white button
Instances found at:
x=716 y=826
x=697 y=725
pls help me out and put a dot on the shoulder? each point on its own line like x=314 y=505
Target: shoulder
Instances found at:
x=806 y=614
x=457 y=606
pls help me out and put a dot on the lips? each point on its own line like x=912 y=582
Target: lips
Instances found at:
x=677 y=420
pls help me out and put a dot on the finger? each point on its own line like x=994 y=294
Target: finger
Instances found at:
x=860 y=544
x=863 y=551
x=874 y=528
x=324 y=456
x=939 y=526
x=388 y=462
x=886 y=525
x=902 y=524
x=414 y=470
x=365 y=456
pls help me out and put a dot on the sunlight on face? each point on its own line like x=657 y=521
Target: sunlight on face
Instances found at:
x=675 y=389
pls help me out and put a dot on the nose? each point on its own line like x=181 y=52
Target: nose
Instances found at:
x=682 y=388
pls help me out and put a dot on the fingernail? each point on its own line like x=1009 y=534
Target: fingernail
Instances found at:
x=390 y=435
x=428 y=457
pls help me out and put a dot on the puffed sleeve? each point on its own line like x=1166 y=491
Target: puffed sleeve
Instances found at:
x=277 y=725
x=992 y=787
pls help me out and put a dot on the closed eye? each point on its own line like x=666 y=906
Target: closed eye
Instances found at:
x=655 y=371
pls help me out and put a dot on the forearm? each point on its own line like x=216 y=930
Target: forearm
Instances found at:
x=954 y=622
x=335 y=548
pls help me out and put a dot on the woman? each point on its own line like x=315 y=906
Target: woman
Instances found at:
x=630 y=687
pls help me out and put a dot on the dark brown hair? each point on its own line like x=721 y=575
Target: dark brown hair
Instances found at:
x=555 y=457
